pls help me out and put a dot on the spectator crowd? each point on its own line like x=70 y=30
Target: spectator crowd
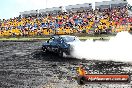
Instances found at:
x=82 y=21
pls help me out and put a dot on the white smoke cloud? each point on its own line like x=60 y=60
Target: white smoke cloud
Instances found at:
x=118 y=48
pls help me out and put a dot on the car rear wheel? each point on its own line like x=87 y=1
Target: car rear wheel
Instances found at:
x=60 y=53
x=44 y=49
x=81 y=80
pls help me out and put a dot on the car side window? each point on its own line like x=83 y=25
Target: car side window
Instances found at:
x=60 y=40
x=50 y=40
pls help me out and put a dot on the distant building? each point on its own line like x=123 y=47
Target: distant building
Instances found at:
x=77 y=7
x=110 y=4
x=63 y=9
x=55 y=10
x=29 y=13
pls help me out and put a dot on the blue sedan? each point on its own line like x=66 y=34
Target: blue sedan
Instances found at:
x=59 y=44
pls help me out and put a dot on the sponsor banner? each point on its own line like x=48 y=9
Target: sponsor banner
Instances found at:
x=107 y=78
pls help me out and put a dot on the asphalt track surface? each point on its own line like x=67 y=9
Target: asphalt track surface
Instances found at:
x=24 y=65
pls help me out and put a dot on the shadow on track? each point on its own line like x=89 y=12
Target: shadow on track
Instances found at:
x=52 y=57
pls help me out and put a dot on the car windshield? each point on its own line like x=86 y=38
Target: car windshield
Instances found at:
x=68 y=38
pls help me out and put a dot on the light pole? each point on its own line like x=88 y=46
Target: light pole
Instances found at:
x=46 y=3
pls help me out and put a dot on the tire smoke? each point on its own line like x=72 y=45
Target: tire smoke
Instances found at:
x=118 y=48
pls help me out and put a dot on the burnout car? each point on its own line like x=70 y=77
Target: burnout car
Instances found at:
x=60 y=44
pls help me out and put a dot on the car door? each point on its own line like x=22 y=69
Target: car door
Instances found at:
x=49 y=42
x=60 y=43
x=54 y=45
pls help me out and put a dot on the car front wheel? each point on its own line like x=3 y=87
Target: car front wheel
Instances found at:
x=44 y=49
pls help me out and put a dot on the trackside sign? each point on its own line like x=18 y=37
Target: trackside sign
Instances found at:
x=83 y=77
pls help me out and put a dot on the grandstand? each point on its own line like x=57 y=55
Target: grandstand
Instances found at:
x=80 y=18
